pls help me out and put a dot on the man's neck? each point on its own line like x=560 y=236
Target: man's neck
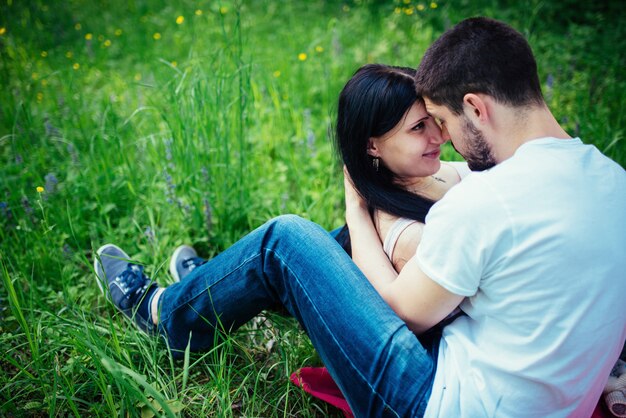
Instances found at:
x=516 y=127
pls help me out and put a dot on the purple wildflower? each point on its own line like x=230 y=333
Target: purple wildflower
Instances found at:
x=51 y=183
x=149 y=233
x=208 y=214
x=5 y=211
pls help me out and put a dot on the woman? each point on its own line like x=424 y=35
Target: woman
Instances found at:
x=390 y=147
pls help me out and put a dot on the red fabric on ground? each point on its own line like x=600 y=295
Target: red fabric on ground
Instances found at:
x=319 y=383
x=602 y=411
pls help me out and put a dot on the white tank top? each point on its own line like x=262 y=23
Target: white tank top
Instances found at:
x=397 y=228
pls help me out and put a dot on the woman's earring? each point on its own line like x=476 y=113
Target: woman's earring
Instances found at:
x=376 y=163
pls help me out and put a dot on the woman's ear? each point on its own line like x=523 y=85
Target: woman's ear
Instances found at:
x=372 y=147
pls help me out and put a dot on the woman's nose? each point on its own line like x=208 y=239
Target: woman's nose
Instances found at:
x=439 y=135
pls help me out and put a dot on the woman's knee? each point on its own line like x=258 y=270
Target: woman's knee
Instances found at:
x=294 y=226
x=289 y=221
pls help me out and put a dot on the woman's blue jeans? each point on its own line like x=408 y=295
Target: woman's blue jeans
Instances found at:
x=379 y=364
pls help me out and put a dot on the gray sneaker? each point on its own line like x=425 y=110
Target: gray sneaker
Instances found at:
x=184 y=260
x=126 y=283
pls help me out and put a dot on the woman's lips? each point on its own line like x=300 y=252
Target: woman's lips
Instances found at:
x=433 y=154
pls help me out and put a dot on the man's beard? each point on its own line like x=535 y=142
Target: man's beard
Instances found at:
x=477 y=153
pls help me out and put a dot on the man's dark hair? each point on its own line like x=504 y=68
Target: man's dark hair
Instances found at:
x=479 y=55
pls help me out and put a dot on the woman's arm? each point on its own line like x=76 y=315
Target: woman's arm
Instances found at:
x=367 y=250
x=417 y=299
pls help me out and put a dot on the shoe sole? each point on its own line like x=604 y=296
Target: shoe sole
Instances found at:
x=96 y=262
x=173 y=270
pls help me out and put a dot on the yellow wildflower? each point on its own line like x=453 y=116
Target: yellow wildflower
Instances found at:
x=407 y=1
x=76 y=66
x=198 y=12
x=137 y=77
x=3 y=31
x=44 y=54
x=107 y=43
x=44 y=82
x=156 y=36
x=276 y=73
x=174 y=64
x=180 y=20
x=39 y=189
x=223 y=10
x=319 y=48
x=39 y=96
x=397 y=10
x=433 y=5
x=408 y=11
x=69 y=54
x=88 y=36
x=118 y=32
x=420 y=7
x=34 y=76
x=78 y=26
x=302 y=56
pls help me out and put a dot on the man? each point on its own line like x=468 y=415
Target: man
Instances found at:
x=535 y=244
x=531 y=249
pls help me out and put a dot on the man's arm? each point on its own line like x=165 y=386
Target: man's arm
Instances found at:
x=416 y=298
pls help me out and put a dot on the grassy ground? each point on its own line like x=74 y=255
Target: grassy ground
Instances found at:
x=153 y=123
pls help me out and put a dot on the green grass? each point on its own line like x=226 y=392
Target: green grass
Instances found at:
x=197 y=135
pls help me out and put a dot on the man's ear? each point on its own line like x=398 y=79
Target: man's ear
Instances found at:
x=476 y=107
x=372 y=147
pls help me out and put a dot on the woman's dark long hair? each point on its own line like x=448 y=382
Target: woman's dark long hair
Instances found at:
x=371 y=104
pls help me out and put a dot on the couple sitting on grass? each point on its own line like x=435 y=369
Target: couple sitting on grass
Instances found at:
x=523 y=258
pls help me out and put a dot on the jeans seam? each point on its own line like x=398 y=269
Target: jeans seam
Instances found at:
x=386 y=404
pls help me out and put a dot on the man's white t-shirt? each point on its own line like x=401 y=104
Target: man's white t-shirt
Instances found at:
x=538 y=246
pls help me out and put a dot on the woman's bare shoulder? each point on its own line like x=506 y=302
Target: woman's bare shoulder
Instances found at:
x=453 y=171
x=384 y=221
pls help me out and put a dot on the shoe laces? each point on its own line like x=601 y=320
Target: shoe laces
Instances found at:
x=132 y=282
x=192 y=263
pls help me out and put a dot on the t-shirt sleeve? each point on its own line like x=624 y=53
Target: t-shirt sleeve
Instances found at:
x=465 y=234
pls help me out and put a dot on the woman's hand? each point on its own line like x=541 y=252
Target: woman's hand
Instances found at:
x=355 y=205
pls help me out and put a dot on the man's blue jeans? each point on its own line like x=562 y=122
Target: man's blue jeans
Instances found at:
x=379 y=364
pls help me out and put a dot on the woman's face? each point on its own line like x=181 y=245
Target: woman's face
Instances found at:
x=412 y=148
